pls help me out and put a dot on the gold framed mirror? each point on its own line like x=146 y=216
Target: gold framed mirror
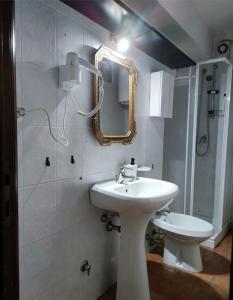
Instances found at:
x=115 y=122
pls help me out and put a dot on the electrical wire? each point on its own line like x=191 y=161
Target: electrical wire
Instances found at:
x=64 y=121
x=101 y=98
x=62 y=141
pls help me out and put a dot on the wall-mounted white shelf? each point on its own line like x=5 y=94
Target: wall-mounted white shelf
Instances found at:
x=161 y=94
x=144 y=169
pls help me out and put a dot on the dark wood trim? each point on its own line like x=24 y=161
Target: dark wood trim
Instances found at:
x=110 y=14
x=9 y=262
x=231 y=273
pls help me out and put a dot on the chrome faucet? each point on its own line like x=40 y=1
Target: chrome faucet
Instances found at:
x=122 y=177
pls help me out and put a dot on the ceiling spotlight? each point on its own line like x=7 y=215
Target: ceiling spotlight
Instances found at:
x=123 y=44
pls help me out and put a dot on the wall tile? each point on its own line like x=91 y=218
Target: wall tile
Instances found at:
x=142 y=92
x=38 y=38
x=154 y=140
x=39 y=212
x=65 y=169
x=20 y=217
x=83 y=22
x=97 y=158
x=69 y=37
x=39 y=82
x=39 y=75
x=75 y=244
x=37 y=145
x=69 y=203
x=39 y=273
x=20 y=152
x=21 y=264
x=67 y=288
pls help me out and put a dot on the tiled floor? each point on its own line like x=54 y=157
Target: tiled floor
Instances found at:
x=170 y=284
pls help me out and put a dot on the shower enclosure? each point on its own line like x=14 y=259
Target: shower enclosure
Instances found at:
x=198 y=144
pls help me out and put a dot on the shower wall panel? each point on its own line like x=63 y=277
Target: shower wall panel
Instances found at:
x=175 y=143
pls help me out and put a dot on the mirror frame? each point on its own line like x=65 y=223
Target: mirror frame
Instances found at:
x=128 y=138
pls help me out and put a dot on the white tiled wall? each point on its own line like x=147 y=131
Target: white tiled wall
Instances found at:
x=58 y=226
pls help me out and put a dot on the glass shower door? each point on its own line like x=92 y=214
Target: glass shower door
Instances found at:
x=175 y=135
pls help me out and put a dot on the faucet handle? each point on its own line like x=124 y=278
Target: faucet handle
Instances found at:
x=122 y=170
x=165 y=210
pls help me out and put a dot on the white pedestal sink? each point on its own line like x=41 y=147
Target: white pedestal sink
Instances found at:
x=136 y=202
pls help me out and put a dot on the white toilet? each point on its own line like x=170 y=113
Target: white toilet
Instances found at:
x=183 y=235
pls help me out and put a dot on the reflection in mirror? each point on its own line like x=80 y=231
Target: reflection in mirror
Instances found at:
x=115 y=109
x=115 y=122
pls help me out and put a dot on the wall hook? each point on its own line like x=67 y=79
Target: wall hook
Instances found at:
x=47 y=162
x=72 y=160
x=85 y=267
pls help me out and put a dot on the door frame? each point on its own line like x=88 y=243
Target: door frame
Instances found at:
x=9 y=261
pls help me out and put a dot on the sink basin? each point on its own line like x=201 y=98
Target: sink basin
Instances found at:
x=136 y=202
x=144 y=194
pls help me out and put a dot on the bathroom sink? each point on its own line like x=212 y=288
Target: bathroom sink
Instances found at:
x=136 y=202
x=143 y=194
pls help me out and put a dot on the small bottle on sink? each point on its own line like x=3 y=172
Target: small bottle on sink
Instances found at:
x=131 y=169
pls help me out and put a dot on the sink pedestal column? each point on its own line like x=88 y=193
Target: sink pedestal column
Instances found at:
x=132 y=282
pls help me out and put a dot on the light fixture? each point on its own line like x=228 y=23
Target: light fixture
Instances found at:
x=123 y=44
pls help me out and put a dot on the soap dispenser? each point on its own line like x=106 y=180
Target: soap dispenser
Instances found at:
x=133 y=165
x=131 y=169
x=132 y=161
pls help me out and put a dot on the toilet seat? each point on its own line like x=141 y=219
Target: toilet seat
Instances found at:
x=184 y=225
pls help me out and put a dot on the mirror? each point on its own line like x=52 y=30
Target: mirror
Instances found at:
x=115 y=122
x=115 y=111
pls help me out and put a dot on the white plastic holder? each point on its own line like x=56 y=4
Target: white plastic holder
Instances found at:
x=130 y=170
x=70 y=76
